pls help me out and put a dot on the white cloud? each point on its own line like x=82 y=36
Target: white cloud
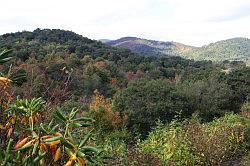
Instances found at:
x=194 y=22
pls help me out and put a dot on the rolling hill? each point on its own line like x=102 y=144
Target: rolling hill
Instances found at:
x=42 y=42
x=231 y=49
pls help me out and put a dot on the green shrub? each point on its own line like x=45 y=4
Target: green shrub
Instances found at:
x=246 y=109
x=144 y=102
x=218 y=141
x=135 y=157
x=194 y=143
x=114 y=145
x=170 y=144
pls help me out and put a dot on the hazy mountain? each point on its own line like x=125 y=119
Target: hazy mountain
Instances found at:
x=231 y=49
x=104 y=40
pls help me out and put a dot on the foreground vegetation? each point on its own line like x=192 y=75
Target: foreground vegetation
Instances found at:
x=70 y=100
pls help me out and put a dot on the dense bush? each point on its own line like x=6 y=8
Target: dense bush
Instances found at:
x=170 y=144
x=238 y=81
x=144 y=102
x=214 y=99
x=193 y=143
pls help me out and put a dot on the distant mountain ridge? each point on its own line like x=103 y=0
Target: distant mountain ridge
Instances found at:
x=230 y=49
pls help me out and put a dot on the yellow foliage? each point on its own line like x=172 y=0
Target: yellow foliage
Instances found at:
x=110 y=116
x=98 y=101
x=5 y=81
x=101 y=64
x=57 y=154
x=5 y=91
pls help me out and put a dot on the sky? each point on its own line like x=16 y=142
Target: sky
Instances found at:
x=193 y=22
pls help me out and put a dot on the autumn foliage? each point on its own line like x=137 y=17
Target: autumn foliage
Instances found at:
x=105 y=116
x=28 y=138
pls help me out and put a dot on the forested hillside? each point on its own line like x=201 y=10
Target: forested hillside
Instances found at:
x=231 y=49
x=68 y=100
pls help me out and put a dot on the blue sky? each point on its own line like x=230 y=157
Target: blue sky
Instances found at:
x=194 y=22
